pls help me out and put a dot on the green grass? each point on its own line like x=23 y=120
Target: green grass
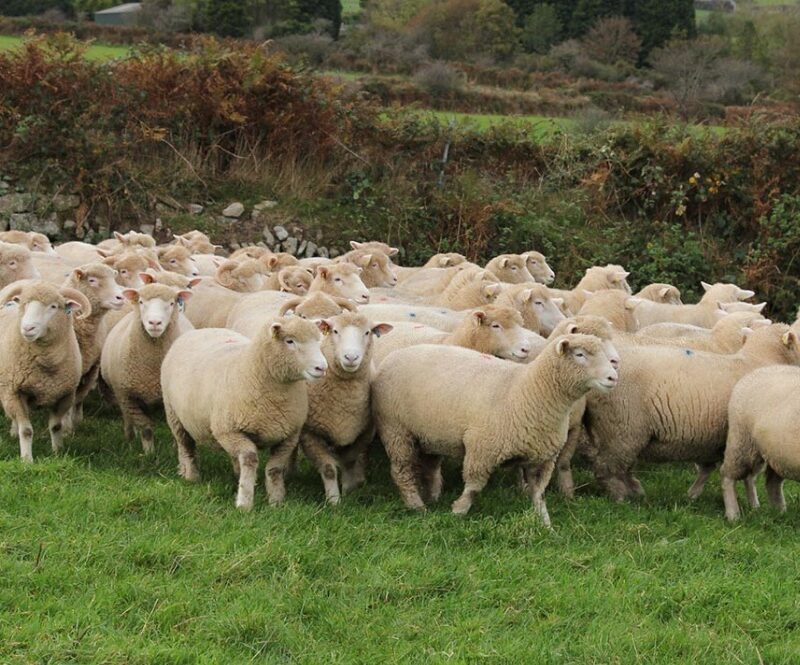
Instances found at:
x=106 y=556
x=351 y=7
x=94 y=52
x=542 y=127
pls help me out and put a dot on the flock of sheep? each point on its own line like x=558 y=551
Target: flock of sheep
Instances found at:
x=486 y=365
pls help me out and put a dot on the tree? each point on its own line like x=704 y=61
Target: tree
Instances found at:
x=612 y=40
x=588 y=12
x=227 y=18
x=659 y=21
x=464 y=29
x=330 y=10
x=34 y=7
x=542 y=29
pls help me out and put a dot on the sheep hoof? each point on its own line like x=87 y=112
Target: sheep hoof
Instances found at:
x=461 y=507
x=244 y=506
x=333 y=500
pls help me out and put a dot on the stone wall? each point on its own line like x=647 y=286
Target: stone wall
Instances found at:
x=56 y=215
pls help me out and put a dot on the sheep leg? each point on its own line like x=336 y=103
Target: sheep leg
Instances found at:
x=56 y=424
x=16 y=408
x=87 y=384
x=135 y=417
x=729 y=497
x=476 y=474
x=399 y=445
x=275 y=471
x=316 y=450
x=566 y=483
x=633 y=486
x=538 y=480
x=752 y=494
x=774 y=484
x=703 y=472
x=431 y=467
x=244 y=450
x=354 y=461
x=13 y=430
x=187 y=449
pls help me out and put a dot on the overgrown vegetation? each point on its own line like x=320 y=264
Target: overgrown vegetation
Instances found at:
x=671 y=202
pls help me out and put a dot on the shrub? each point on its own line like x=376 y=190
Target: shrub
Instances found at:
x=439 y=79
x=313 y=47
x=227 y=18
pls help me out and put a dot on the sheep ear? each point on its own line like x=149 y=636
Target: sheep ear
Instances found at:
x=152 y=263
x=183 y=296
x=133 y=294
x=147 y=278
x=12 y=295
x=663 y=293
x=572 y=328
x=746 y=332
x=110 y=260
x=789 y=339
x=558 y=301
x=345 y=303
x=745 y=294
x=79 y=274
x=480 y=317
x=761 y=323
x=275 y=330
x=119 y=236
x=587 y=294
x=706 y=286
x=394 y=251
x=503 y=263
x=759 y=307
x=562 y=346
x=355 y=245
x=445 y=262
x=103 y=253
x=323 y=272
x=382 y=329
x=325 y=326
x=194 y=282
x=364 y=260
x=632 y=303
x=526 y=295
x=492 y=290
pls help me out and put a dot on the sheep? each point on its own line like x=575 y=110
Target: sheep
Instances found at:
x=667 y=330
x=540 y=313
x=427 y=315
x=342 y=280
x=445 y=260
x=219 y=386
x=316 y=306
x=167 y=278
x=597 y=278
x=244 y=276
x=129 y=240
x=40 y=361
x=671 y=405
x=513 y=412
x=292 y=279
x=211 y=304
x=469 y=288
x=129 y=267
x=276 y=262
x=539 y=268
x=615 y=305
x=763 y=413
x=510 y=269
x=177 y=258
x=704 y=314
x=582 y=325
x=664 y=293
x=78 y=253
x=431 y=281
x=378 y=270
x=15 y=264
x=338 y=429
x=251 y=252
x=96 y=281
x=437 y=262
x=207 y=265
x=493 y=330
x=197 y=242
x=36 y=242
x=248 y=315
x=375 y=246
x=130 y=363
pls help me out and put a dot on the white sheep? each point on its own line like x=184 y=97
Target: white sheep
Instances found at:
x=177 y=258
x=245 y=276
x=539 y=268
x=483 y=410
x=197 y=242
x=130 y=363
x=493 y=330
x=16 y=263
x=763 y=415
x=671 y=405
x=338 y=429
x=704 y=313
x=659 y=292
x=40 y=361
x=510 y=269
x=36 y=242
x=596 y=278
x=221 y=387
x=617 y=306
x=377 y=268
x=315 y=306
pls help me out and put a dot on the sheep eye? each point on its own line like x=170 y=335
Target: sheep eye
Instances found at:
x=12 y=264
x=338 y=279
x=335 y=332
x=367 y=333
x=496 y=326
x=173 y=261
x=580 y=354
x=539 y=303
x=290 y=342
x=54 y=306
x=141 y=302
x=374 y=265
x=513 y=267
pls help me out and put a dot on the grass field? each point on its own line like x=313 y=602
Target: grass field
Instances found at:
x=106 y=556
x=95 y=52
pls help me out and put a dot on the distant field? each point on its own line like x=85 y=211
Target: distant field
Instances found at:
x=351 y=7
x=95 y=52
x=542 y=126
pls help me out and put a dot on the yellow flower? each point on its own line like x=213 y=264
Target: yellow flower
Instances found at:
x=692 y=180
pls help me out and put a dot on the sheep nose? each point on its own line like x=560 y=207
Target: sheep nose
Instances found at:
x=351 y=357
x=31 y=327
x=154 y=322
x=320 y=368
x=615 y=363
x=365 y=298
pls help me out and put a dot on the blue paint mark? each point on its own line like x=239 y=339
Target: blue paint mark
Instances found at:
x=412 y=314
x=689 y=352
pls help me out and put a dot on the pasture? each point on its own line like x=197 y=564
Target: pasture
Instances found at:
x=107 y=556
x=95 y=51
